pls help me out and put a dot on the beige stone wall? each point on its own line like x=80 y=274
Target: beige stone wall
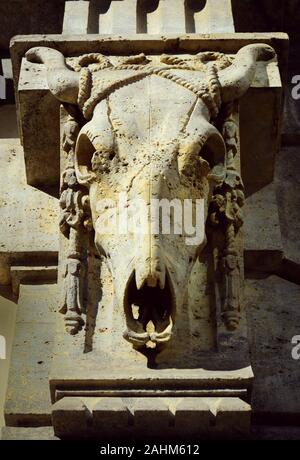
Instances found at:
x=7 y=326
x=8 y=129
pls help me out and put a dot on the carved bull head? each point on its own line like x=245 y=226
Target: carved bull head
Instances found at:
x=149 y=135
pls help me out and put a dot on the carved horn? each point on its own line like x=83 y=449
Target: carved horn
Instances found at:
x=63 y=82
x=237 y=78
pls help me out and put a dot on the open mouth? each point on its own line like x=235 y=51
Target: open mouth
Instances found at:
x=149 y=313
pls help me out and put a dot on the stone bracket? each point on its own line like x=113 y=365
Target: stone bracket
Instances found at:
x=41 y=138
x=186 y=382
x=156 y=418
x=28 y=274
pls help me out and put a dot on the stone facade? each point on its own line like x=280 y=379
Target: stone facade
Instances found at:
x=131 y=333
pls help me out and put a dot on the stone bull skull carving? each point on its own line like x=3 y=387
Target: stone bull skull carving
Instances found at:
x=148 y=133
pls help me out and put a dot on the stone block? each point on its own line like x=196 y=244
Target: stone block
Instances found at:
x=44 y=433
x=272 y=306
x=33 y=91
x=29 y=217
x=28 y=394
x=9 y=127
x=233 y=418
x=168 y=18
x=120 y=18
x=7 y=83
x=46 y=141
x=152 y=417
x=215 y=17
x=70 y=418
x=111 y=418
x=193 y=418
x=288 y=197
x=76 y=17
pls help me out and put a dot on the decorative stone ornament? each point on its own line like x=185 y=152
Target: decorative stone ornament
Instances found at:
x=152 y=331
x=112 y=152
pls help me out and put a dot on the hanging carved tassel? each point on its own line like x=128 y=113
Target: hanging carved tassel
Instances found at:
x=72 y=203
x=225 y=214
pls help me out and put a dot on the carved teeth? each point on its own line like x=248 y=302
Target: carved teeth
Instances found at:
x=162 y=280
x=166 y=334
x=135 y=311
x=139 y=281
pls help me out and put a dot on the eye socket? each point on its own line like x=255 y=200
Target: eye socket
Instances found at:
x=207 y=154
x=83 y=159
x=213 y=151
x=101 y=160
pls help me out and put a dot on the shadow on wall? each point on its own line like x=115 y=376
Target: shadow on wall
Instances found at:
x=33 y=17
x=8 y=125
x=143 y=9
x=266 y=16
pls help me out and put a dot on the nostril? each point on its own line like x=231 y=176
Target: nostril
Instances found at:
x=152 y=281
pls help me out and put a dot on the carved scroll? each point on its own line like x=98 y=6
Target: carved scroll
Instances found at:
x=74 y=204
x=225 y=213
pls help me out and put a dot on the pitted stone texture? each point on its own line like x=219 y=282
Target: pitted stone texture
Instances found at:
x=152 y=416
x=287 y=182
x=148 y=16
x=27 y=434
x=28 y=395
x=263 y=241
x=128 y=147
x=41 y=139
x=29 y=217
x=76 y=17
x=70 y=417
x=111 y=417
x=120 y=18
x=273 y=317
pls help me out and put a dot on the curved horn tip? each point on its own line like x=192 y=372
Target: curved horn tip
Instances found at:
x=40 y=54
x=263 y=51
x=33 y=55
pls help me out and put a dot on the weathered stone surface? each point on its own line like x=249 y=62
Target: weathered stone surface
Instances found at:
x=287 y=181
x=29 y=216
x=33 y=87
x=263 y=242
x=7 y=327
x=119 y=18
x=8 y=126
x=215 y=17
x=151 y=418
x=149 y=16
x=168 y=18
x=76 y=17
x=45 y=433
x=28 y=395
x=193 y=416
x=273 y=317
x=111 y=418
x=276 y=433
x=104 y=92
x=6 y=72
x=187 y=369
x=70 y=418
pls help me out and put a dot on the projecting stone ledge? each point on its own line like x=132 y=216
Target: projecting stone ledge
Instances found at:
x=151 y=418
x=40 y=138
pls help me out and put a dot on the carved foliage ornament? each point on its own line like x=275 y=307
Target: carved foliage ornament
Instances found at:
x=178 y=100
